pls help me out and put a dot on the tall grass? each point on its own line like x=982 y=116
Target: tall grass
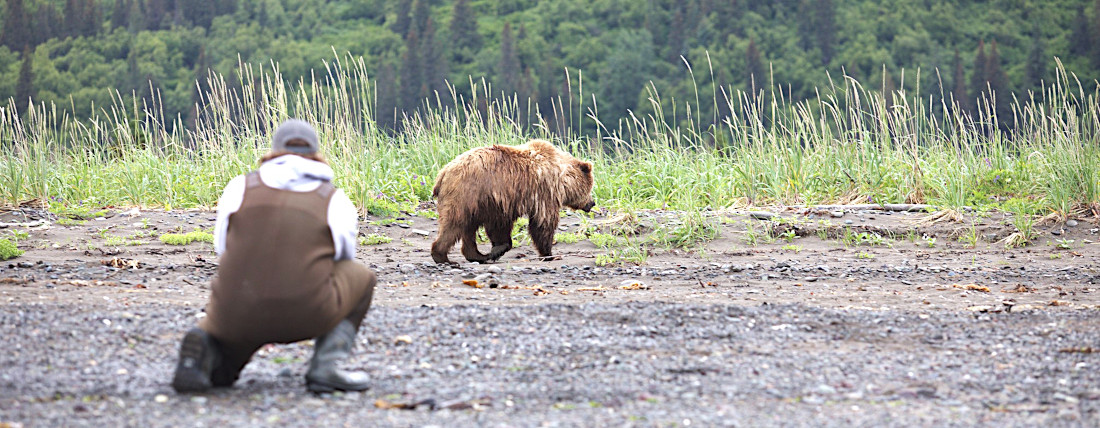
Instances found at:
x=850 y=144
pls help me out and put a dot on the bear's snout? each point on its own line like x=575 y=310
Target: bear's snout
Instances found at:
x=588 y=207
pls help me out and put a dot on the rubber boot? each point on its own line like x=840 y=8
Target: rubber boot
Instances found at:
x=198 y=357
x=328 y=350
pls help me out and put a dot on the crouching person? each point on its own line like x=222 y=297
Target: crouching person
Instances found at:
x=286 y=241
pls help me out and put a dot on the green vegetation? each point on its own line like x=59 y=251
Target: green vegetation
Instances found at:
x=696 y=138
x=374 y=239
x=603 y=240
x=692 y=228
x=634 y=254
x=567 y=238
x=116 y=240
x=8 y=250
x=853 y=239
x=76 y=212
x=84 y=54
x=186 y=238
x=970 y=238
x=19 y=235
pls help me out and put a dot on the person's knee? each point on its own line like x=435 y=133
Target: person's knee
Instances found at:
x=372 y=278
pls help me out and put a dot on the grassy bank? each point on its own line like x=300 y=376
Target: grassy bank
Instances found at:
x=850 y=144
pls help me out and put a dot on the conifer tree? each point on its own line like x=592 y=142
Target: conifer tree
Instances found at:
x=465 y=40
x=402 y=23
x=978 y=76
x=420 y=16
x=958 y=92
x=120 y=14
x=409 y=94
x=155 y=12
x=24 y=87
x=17 y=32
x=47 y=24
x=805 y=25
x=434 y=64
x=825 y=29
x=998 y=83
x=1094 y=41
x=754 y=66
x=91 y=20
x=676 y=37
x=1080 y=37
x=137 y=18
x=1036 y=61
x=508 y=69
x=386 y=103
x=72 y=16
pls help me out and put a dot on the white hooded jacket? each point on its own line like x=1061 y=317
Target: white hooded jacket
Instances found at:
x=296 y=174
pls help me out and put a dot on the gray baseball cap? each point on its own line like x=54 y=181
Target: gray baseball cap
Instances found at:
x=299 y=131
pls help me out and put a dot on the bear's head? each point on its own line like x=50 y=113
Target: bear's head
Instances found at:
x=577 y=181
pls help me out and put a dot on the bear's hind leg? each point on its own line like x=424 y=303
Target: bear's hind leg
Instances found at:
x=469 y=245
x=500 y=234
x=443 y=244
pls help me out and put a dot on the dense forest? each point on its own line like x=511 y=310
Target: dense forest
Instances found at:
x=76 y=54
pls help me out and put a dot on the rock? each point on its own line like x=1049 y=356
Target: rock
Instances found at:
x=1056 y=232
x=762 y=215
x=848 y=221
x=1067 y=398
x=406 y=268
x=824 y=389
x=836 y=214
x=1071 y=223
x=494 y=269
x=420 y=232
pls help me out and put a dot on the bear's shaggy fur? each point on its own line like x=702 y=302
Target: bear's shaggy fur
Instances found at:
x=493 y=186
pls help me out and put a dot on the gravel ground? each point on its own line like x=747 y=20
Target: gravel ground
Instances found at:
x=921 y=331
x=645 y=364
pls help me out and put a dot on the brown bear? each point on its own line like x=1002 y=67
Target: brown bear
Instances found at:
x=493 y=186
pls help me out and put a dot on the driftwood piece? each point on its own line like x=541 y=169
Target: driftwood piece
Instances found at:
x=882 y=207
x=35 y=223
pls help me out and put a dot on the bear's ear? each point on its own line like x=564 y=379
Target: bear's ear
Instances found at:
x=585 y=167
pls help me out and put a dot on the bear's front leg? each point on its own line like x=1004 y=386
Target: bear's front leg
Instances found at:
x=542 y=236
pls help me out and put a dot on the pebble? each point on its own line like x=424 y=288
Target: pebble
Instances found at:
x=420 y=232
x=836 y=214
x=824 y=389
x=406 y=268
x=849 y=221
x=494 y=269
x=1071 y=223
